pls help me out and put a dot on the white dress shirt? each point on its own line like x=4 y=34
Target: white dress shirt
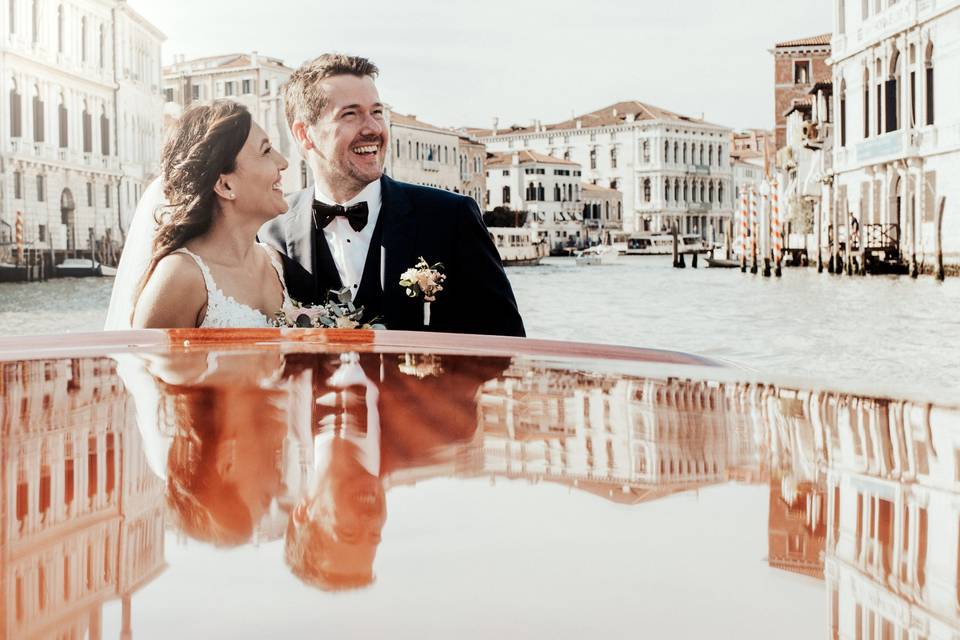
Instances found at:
x=348 y=247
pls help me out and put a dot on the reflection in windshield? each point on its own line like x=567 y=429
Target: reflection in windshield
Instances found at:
x=305 y=448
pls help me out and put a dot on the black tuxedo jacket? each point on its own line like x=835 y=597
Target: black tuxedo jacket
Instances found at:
x=414 y=221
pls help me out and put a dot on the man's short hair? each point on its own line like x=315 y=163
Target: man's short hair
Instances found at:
x=306 y=554
x=303 y=97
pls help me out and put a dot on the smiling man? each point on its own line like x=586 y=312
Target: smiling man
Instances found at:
x=358 y=229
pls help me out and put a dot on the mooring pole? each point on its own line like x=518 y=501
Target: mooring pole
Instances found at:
x=938 y=239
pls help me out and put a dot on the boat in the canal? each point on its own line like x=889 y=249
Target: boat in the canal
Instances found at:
x=518 y=246
x=286 y=483
x=722 y=263
x=596 y=255
x=83 y=268
x=661 y=244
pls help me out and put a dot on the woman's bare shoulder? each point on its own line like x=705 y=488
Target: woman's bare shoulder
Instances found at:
x=174 y=296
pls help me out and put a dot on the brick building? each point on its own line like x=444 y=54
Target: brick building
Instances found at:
x=798 y=65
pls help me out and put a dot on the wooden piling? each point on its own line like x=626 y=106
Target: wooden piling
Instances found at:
x=939 y=272
x=673 y=233
x=694 y=260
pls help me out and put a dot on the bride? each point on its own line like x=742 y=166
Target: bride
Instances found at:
x=222 y=180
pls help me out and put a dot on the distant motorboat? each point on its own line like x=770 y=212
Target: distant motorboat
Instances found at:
x=518 y=246
x=722 y=263
x=661 y=244
x=83 y=268
x=599 y=254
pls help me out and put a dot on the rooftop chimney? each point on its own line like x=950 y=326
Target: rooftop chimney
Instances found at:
x=254 y=59
x=496 y=125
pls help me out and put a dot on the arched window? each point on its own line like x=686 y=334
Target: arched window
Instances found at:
x=676 y=191
x=35 y=19
x=685 y=153
x=16 y=111
x=928 y=62
x=646 y=190
x=83 y=39
x=619 y=209
x=540 y=193
x=676 y=149
x=38 y=109
x=556 y=193
x=712 y=192
x=593 y=158
x=719 y=155
x=720 y=194
x=666 y=190
x=87 y=129
x=64 y=118
x=843 y=113
x=506 y=195
x=686 y=191
x=666 y=151
x=60 y=29
x=646 y=151
x=701 y=154
x=104 y=133
x=892 y=87
x=703 y=189
x=693 y=191
x=866 y=102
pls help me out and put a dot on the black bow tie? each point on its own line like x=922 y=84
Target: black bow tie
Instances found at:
x=356 y=215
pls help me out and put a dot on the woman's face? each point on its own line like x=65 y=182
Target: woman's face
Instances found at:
x=256 y=180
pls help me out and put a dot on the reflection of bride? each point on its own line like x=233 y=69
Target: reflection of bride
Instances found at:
x=201 y=265
x=213 y=427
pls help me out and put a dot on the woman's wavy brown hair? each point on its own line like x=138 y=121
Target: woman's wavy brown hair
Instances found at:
x=203 y=146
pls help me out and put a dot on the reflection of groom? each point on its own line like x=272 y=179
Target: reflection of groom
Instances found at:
x=373 y=417
x=360 y=229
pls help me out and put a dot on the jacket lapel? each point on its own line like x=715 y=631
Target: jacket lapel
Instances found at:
x=307 y=246
x=398 y=242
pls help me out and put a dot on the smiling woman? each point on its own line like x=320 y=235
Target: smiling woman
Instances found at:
x=222 y=179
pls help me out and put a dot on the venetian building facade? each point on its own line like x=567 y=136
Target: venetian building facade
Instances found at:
x=83 y=515
x=423 y=154
x=602 y=213
x=546 y=187
x=670 y=168
x=897 y=150
x=81 y=120
x=798 y=65
x=473 y=178
x=253 y=80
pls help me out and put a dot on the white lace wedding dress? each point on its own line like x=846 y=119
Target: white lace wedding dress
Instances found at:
x=223 y=311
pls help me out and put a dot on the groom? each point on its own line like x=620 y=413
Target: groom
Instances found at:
x=358 y=229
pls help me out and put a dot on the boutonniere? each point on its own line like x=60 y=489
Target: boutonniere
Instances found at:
x=339 y=312
x=423 y=281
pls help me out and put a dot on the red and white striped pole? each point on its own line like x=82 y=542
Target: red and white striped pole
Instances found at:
x=754 y=229
x=776 y=226
x=744 y=230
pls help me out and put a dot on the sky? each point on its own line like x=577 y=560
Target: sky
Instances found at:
x=454 y=63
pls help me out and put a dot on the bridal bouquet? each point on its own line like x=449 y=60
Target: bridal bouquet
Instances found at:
x=338 y=312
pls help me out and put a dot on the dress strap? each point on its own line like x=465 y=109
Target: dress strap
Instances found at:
x=204 y=269
x=278 y=267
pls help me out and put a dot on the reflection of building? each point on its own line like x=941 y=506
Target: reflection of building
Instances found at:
x=893 y=516
x=81 y=120
x=670 y=167
x=629 y=440
x=254 y=81
x=83 y=514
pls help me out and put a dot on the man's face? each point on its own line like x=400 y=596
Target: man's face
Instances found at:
x=350 y=138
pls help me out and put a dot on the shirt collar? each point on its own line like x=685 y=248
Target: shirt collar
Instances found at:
x=369 y=194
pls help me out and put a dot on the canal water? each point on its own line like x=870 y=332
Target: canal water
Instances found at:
x=879 y=332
